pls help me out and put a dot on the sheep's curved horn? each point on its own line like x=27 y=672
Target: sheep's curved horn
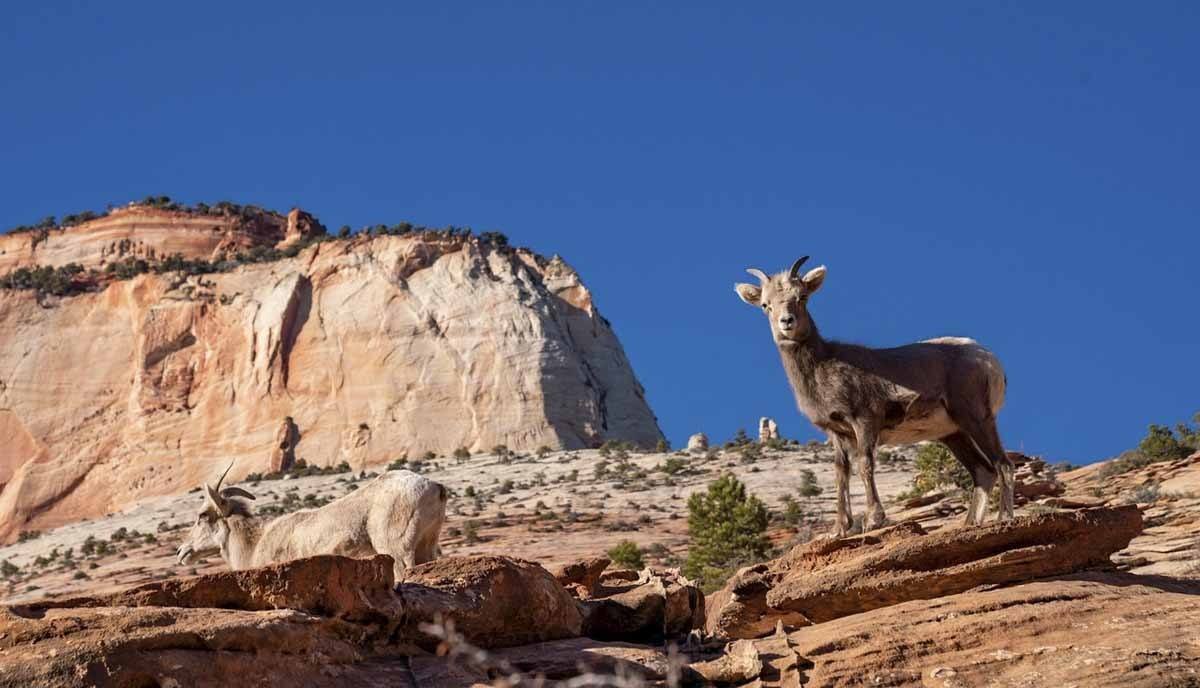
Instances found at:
x=794 y=273
x=762 y=276
x=217 y=487
x=236 y=492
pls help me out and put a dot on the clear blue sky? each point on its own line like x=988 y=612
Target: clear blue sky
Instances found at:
x=1021 y=174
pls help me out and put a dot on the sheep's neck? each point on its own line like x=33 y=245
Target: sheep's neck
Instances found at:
x=239 y=547
x=801 y=361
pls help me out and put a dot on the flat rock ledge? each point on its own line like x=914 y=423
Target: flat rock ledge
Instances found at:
x=831 y=578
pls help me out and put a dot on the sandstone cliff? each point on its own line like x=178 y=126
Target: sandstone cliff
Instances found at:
x=377 y=347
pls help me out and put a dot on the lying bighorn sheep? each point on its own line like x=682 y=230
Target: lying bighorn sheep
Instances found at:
x=399 y=514
x=946 y=389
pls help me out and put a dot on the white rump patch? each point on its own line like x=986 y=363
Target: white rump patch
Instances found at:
x=957 y=341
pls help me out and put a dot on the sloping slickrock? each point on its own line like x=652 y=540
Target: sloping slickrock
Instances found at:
x=829 y=579
x=493 y=601
x=353 y=589
x=308 y=622
x=1094 y=629
x=171 y=646
x=1170 y=543
x=652 y=606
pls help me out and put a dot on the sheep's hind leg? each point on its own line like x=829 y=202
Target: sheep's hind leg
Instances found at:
x=986 y=441
x=983 y=476
x=995 y=448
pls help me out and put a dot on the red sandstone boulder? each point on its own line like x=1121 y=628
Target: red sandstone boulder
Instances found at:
x=493 y=601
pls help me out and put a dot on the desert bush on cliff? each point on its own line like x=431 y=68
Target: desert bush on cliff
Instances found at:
x=60 y=281
x=627 y=555
x=727 y=530
x=1161 y=443
x=936 y=467
x=79 y=218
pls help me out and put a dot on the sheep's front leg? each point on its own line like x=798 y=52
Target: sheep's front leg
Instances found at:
x=866 y=438
x=841 y=465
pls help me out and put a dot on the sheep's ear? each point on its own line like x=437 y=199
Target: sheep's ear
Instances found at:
x=749 y=293
x=813 y=278
x=218 y=502
x=236 y=492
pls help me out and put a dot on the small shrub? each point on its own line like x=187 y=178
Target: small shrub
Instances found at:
x=793 y=513
x=600 y=471
x=627 y=554
x=462 y=453
x=1160 y=444
x=740 y=438
x=808 y=484
x=936 y=466
x=672 y=466
x=471 y=532
x=1145 y=494
x=727 y=529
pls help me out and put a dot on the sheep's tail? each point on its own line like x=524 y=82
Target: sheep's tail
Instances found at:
x=997 y=384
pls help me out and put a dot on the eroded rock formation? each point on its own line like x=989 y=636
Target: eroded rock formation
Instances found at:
x=830 y=578
x=1053 y=618
x=153 y=385
x=767 y=429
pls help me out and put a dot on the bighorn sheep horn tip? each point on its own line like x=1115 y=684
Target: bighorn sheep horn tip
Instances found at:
x=795 y=271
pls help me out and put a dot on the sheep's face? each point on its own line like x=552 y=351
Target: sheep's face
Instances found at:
x=207 y=536
x=784 y=300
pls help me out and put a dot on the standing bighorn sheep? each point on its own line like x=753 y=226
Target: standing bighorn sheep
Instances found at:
x=947 y=389
x=399 y=514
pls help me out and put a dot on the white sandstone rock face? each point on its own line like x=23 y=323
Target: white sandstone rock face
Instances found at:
x=767 y=429
x=698 y=442
x=154 y=384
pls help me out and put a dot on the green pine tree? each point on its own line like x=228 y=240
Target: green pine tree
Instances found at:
x=727 y=528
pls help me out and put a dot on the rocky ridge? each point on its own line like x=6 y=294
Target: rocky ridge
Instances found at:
x=1046 y=608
